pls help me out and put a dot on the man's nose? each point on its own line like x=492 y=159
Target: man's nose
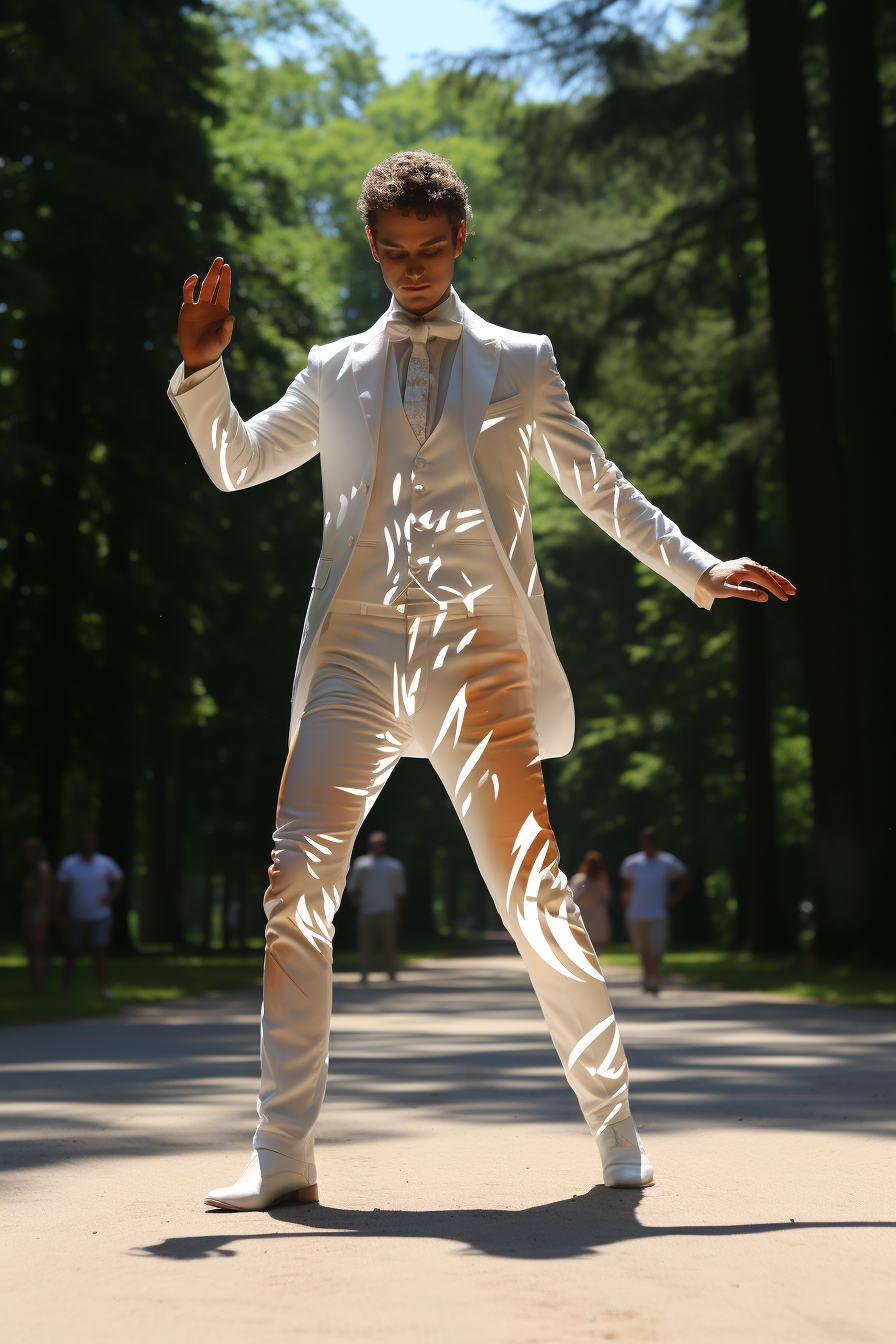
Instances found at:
x=414 y=267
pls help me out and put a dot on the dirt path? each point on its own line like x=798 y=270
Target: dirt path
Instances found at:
x=459 y=1184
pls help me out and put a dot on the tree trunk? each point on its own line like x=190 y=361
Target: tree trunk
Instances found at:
x=117 y=790
x=10 y=612
x=690 y=921
x=812 y=457
x=57 y=669
x=58 y=673
x=452 y=882
x=162 y=920
x=208 y=906
x=764 y=925
x=867 y=356
x=418 y=922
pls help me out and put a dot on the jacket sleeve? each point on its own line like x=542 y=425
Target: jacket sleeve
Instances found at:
x=567 y=450
x=237 y=453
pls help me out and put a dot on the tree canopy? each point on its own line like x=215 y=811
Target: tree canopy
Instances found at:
x=149 y=626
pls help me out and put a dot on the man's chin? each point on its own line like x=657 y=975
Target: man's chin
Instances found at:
x=416 y=299
x=421 y=300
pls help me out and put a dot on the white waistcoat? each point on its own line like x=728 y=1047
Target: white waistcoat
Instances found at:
x=424 y=524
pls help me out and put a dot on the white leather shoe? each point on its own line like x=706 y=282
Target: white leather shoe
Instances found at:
x=268 y=1178
x=623 y=1157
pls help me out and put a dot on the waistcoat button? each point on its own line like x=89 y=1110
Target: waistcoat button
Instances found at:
x=363 y=487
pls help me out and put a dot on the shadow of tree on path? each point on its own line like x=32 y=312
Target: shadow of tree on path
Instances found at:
x=563 y=1230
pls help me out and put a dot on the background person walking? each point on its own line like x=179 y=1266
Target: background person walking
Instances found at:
x=89 y=883
x=592 y=891
x=377 y=887
x=652 y=882
x=36 y=897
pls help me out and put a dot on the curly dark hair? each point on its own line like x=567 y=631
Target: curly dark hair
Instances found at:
x=414 y=180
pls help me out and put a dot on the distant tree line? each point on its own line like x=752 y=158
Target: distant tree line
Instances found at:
x=701 y=227
x=763 y=147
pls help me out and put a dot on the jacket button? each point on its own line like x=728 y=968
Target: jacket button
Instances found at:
x=363 y=487
x=419 y=489
x=350 y=540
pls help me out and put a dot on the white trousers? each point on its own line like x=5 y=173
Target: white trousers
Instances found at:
x=459 y=686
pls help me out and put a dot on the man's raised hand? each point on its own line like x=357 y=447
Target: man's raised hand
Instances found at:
x=205 y=326
x=730 y=577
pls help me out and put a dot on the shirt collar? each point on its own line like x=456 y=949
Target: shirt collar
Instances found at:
x=450 y=308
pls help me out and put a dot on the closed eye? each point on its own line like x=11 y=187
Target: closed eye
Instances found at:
x=395 y=254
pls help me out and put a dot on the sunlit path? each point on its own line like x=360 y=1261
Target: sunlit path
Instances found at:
x=458 y=1181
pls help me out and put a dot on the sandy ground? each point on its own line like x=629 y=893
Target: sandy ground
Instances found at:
x=461 y=1194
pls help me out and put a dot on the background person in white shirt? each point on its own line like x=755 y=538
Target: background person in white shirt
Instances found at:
x=376 y=887
x=652 y=882
x=89 y=883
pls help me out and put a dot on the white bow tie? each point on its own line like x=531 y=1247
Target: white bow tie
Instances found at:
x=401 y=328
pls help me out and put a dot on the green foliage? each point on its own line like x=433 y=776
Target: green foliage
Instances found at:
x=149 y=625
x=799 y=976
x=636 y=246
x=108 y=193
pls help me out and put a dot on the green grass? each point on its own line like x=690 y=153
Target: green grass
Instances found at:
x=148 y=978
x=795 y=975
x=153 y=977
x=158 y=976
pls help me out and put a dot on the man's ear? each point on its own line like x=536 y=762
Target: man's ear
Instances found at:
x=461 y=238
x=372 y=241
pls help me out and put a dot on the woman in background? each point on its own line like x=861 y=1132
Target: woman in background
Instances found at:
x=35 y=891
x=592 y=892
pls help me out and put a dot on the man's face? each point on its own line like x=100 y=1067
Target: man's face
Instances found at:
x=649 y=845
x=377 y=845
x=88 y=844
x=417 y=255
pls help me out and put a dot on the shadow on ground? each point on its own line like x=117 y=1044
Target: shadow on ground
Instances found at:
x=86 y=1089
x=567 y=1229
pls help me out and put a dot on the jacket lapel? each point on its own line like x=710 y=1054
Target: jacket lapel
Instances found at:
x=481 y=354
x=369 y=371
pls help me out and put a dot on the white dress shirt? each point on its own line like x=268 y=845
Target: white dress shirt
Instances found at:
x=441 y=353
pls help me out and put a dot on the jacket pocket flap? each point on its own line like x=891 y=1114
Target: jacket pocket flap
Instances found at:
x=500 y=410
x=322 y=573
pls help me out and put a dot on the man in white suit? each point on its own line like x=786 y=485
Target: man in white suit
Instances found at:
x=426 y=634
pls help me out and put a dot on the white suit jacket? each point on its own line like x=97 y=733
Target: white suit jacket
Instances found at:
x=515 y=408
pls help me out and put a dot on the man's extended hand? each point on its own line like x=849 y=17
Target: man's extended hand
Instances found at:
x=204 y=328
x=726 y=579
